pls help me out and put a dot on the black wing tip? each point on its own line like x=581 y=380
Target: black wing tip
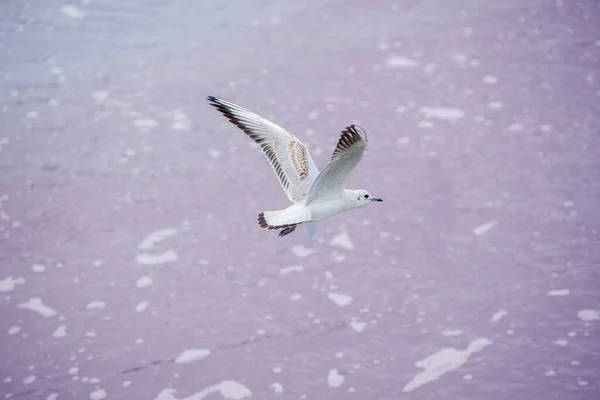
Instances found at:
x=214 y=101
x=224 y=108
x=350 y=137
x=355 y=130
x=262 y=222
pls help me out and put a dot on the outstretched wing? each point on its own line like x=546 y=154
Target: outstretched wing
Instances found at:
x=347 y=154
x=289 y=158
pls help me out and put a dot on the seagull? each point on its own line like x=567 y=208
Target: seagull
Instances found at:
x=315 y=195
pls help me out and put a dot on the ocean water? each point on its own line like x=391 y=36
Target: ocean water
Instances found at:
x=131 y=264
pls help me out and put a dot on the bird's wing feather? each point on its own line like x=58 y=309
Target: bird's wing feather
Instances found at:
x=347 y=154
x=289 y=158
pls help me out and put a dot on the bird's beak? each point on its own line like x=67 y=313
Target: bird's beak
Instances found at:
x=376 y=199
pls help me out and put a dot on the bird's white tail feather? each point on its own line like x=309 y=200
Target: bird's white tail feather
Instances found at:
x=269 y=220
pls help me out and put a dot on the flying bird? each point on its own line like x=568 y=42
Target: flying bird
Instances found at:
x=314 y=194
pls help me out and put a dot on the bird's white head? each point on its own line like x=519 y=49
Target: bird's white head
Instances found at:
x=361 y=197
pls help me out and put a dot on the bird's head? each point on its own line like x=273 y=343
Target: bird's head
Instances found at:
x=361 y=197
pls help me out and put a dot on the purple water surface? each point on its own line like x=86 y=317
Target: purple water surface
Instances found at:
x=131 y=264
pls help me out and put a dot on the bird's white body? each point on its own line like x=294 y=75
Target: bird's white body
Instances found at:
x=316 y=210
x=328 y=206
x=315 y=195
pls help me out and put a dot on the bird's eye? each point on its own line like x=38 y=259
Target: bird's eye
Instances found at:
x=366 y=196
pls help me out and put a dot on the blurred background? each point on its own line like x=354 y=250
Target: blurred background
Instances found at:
x=131 y=264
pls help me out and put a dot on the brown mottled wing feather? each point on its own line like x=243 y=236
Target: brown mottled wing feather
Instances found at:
x=289 y=158
x=347 y=154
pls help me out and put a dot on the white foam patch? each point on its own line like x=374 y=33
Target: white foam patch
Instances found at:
x=141 y=306
x=289 y=270
x=558 y=292
x=155 y=237
x=36 y=304
x=452 y=332
x=181 y=122
x=498 y=315
x=342 y=240
x=229 y=390
x=60 y=332
x=515 y=127
x=3 y=141
x=442 y=113
x=190 y=355
x=357 y=325
x=337 y=257
x=276 y=387
x=145 y=123
x=7 y=284
x=400 y=62
x=314 y=114
x=124 y=106
x=13 y=330
x=98 y=394
x=144 y=282
x=96 y=305
x=495 y=105
x=38 y=268
x=301 y=251
x=29 y=380
x=484 y=228
x=56 y=70
x=342 y=300
x=72 y=11
x=442 y=362
x=589 y=315
x=430 y=68
x=214 y=153
x=334 y=379
x=168 y=256
x=52 y=396
x=561 y=342
x=336 y=99
x=460 y=58
x=100 y=96
x=490 y=79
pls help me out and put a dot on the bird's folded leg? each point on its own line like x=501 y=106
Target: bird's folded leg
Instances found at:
x=287 y=230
